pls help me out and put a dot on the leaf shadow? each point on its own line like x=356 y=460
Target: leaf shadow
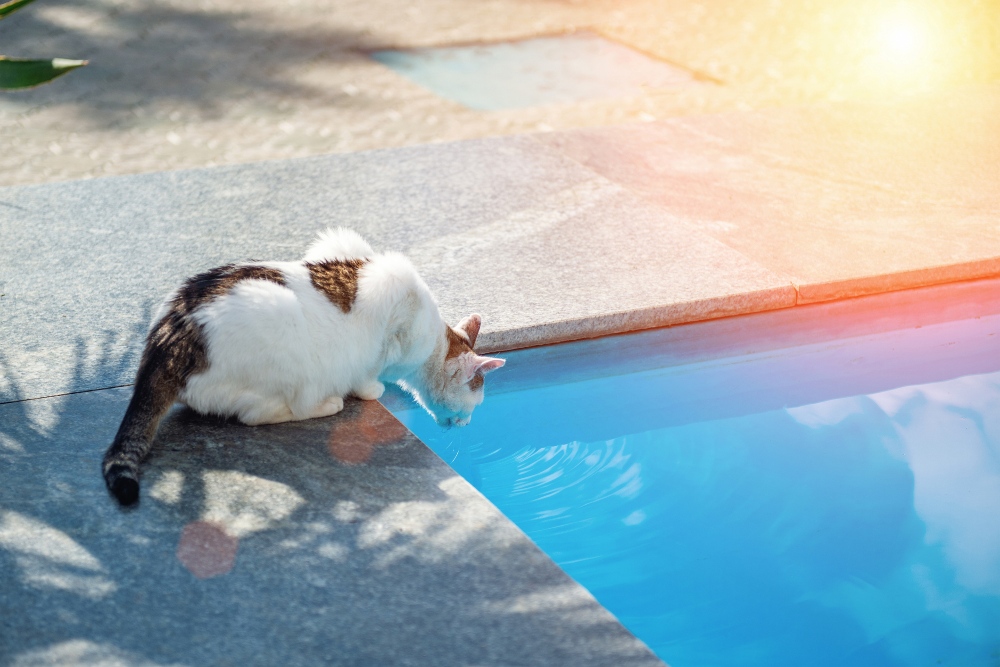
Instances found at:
x=348 y=532
x=196 y=60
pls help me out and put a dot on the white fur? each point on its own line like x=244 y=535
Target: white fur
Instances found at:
x=339 y=243
x=281 y=353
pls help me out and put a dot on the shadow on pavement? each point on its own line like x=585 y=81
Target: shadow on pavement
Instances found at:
x=195 y=60
x=338 y=540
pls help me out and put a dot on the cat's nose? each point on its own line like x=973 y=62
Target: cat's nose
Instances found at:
x=461 y=422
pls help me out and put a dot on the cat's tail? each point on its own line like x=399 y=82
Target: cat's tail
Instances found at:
x=174 y=350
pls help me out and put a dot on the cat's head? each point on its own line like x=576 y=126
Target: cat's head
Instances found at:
x=458 y=386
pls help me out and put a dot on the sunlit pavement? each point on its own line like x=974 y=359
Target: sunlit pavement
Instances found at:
x=181 y=84
x=345 y=540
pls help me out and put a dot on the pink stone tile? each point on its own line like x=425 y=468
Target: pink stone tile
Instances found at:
x=843 y=200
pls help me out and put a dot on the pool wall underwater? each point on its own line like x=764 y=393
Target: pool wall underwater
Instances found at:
x=814 y=486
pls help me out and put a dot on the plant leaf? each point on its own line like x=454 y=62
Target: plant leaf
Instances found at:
x=12 y=6
x=17 y=73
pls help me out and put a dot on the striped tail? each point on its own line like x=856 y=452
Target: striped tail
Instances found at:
x=153 y=396
x=174 y=350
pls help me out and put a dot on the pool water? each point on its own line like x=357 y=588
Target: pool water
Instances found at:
x=834 y=502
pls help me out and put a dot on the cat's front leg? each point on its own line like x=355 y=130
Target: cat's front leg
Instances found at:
x=330 y=406
x=370 y=391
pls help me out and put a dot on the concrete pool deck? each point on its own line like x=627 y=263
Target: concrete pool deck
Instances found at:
x=344 y=539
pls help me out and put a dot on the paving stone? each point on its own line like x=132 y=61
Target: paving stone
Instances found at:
x=843 y=200
x=534 y=72
x=342 y=540
x=184 y=83
x=544 y=248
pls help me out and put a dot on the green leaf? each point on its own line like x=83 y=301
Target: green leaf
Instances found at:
x=12 y=6
x=17 y=73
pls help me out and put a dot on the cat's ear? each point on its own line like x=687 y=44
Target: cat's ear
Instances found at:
x=470 y=325
x=487 y=364
x=473 y=364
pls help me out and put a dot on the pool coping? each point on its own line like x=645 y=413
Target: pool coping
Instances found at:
x=733 y=306
x=730 y=339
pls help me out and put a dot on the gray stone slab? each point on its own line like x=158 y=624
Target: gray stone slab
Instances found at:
x=844 y=200
x=543 y=247
x=337 y=541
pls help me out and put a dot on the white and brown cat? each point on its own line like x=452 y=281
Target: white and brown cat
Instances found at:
x=270 y=342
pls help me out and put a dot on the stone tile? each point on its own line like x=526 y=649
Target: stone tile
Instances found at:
x=593 y=261
x=343 y=539
x=844 y=200
x=541 y=246
x=85 y=263
x=534 y=72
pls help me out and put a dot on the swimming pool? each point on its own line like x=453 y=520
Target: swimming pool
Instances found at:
x=817 y=487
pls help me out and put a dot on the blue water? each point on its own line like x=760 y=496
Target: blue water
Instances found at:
x=834 y=503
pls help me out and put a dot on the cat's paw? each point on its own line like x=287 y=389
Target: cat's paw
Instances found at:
x=371 y=391
x=330 y=406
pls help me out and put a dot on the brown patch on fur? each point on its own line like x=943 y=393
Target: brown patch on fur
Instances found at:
x=470 y=326
x=175 y=350
x=338 y=280
x=218 y=281
x=456 y=344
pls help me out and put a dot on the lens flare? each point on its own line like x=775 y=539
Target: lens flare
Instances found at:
x=900 y=56
x=902 y=38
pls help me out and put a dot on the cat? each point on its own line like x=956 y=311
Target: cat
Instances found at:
x=271 y=342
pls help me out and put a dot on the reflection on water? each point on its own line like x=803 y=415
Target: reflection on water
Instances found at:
x=862 y=529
